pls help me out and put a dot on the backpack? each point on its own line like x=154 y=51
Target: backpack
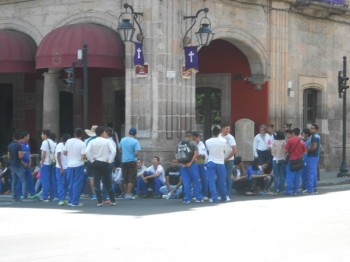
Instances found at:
x=184 y=152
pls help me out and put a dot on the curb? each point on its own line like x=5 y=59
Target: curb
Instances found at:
x=345 y=182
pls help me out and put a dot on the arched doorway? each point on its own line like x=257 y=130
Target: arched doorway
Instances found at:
x=245 y=100
x=105 y=59
x=17 y=75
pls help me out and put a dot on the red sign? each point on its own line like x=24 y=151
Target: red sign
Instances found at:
x=141 y=71
x=186 y=74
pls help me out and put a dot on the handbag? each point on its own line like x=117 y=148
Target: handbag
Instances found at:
x=52 y=159
x=297 y=164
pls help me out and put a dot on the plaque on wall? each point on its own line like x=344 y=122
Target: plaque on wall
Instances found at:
x=244 y=135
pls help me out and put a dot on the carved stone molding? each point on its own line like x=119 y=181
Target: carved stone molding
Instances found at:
x=318 y=9
x=258 y=80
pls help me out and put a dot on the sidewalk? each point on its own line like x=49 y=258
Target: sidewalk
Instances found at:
x=330 y=178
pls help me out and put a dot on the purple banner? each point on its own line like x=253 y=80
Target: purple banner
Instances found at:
x=339 y=2
x=138 y=55
x=191 y=58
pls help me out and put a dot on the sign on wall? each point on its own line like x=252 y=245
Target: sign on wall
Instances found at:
x=141 y=71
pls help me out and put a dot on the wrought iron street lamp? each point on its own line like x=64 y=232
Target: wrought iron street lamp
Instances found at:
x=204 y=34
x=126 y=27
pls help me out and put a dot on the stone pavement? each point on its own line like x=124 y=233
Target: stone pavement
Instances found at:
x=330 y=178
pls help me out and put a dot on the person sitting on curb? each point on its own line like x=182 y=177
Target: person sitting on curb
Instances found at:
x=173 y=182
x=153 y=176
x=239 y=178
x=258 y=181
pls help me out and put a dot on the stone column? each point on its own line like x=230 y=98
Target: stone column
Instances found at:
x=278 y=35
x=51 y=110
x=161 y=106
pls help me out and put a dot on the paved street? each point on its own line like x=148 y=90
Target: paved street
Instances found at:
x=263 y=228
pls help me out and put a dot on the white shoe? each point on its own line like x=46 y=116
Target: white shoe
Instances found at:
x=129 y=197
x=205 y=198
x=167 y=196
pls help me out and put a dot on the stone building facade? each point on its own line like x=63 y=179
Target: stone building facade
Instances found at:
x=270 y=62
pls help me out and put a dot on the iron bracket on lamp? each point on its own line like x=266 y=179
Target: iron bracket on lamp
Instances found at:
x=204 y=34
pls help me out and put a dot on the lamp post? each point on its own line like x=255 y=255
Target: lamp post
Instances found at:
x=342 y=79
x=85 y=85
x=82 y=56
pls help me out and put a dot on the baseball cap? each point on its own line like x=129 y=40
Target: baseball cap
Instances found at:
x=195 y=134
x=132 y=131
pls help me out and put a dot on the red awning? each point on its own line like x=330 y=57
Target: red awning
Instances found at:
x=59 y=47
x=17 y=52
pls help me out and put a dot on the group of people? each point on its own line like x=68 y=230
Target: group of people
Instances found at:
x=284 y=163
x=62 y=166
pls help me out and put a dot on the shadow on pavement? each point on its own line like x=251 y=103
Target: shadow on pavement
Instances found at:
x=147 y=207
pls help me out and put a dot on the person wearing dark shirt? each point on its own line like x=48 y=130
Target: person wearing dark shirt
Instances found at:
x=173 y=182
x=313 y=153
x=15 y=155
x=257 y=180
x=26 y=163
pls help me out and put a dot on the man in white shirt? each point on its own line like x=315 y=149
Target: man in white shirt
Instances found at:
x=216 y=166
x=46 y=171
x=61 y=170
x=75 y=152
x=262 y=148
x=101 y=152
x=230 y=152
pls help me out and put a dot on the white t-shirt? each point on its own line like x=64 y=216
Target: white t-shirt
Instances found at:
x=216 y=149
x=60 y=148
x=202 y=150
x=160 y=171
x=262 y=143
x=75 y=150
x=100 y=149
x=45 y=147
x=230 y=141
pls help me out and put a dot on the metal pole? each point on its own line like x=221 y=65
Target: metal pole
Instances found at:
x=85 y=85
x=344 y=167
